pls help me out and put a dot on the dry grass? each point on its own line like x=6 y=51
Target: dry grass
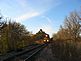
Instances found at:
x=67 y=50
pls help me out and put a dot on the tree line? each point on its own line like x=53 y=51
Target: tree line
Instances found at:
x=66 y=44
x=71 y=30
x=13 y=36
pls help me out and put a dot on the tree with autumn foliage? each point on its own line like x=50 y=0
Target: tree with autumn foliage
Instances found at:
x=13 y=36
x=71 y=29
x=66 y=44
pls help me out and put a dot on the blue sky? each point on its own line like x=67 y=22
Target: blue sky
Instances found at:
x=39 y=14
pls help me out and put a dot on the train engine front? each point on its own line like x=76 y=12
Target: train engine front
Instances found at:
x=46 y=38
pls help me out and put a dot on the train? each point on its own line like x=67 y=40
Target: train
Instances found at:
x=45 y=39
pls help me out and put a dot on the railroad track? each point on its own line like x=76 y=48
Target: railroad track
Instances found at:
x=24 y=55
x=28 y=56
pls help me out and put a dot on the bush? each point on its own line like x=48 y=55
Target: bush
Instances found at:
x=66 y=50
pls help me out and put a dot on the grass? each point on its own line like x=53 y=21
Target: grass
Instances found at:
x=67 y=50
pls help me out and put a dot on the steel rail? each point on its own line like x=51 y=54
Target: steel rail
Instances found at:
x=35 y=52
x=20 y=54
x=13 y=54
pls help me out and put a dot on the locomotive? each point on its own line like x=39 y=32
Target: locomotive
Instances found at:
x=46 y=39
x=42 y=37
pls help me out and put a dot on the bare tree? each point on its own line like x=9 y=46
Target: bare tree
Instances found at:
x=72 y=24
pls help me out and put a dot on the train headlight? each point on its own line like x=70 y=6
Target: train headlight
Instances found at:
x=44 y=40
x=47 y=40
x=46 y=35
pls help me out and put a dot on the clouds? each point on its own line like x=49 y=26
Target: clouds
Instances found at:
x=43 y=5
x=34 y=8
x=48 y=19
x=26 y=16
x=24 y=10
x=45 y=25
x=48 y=28
x=22 y=3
